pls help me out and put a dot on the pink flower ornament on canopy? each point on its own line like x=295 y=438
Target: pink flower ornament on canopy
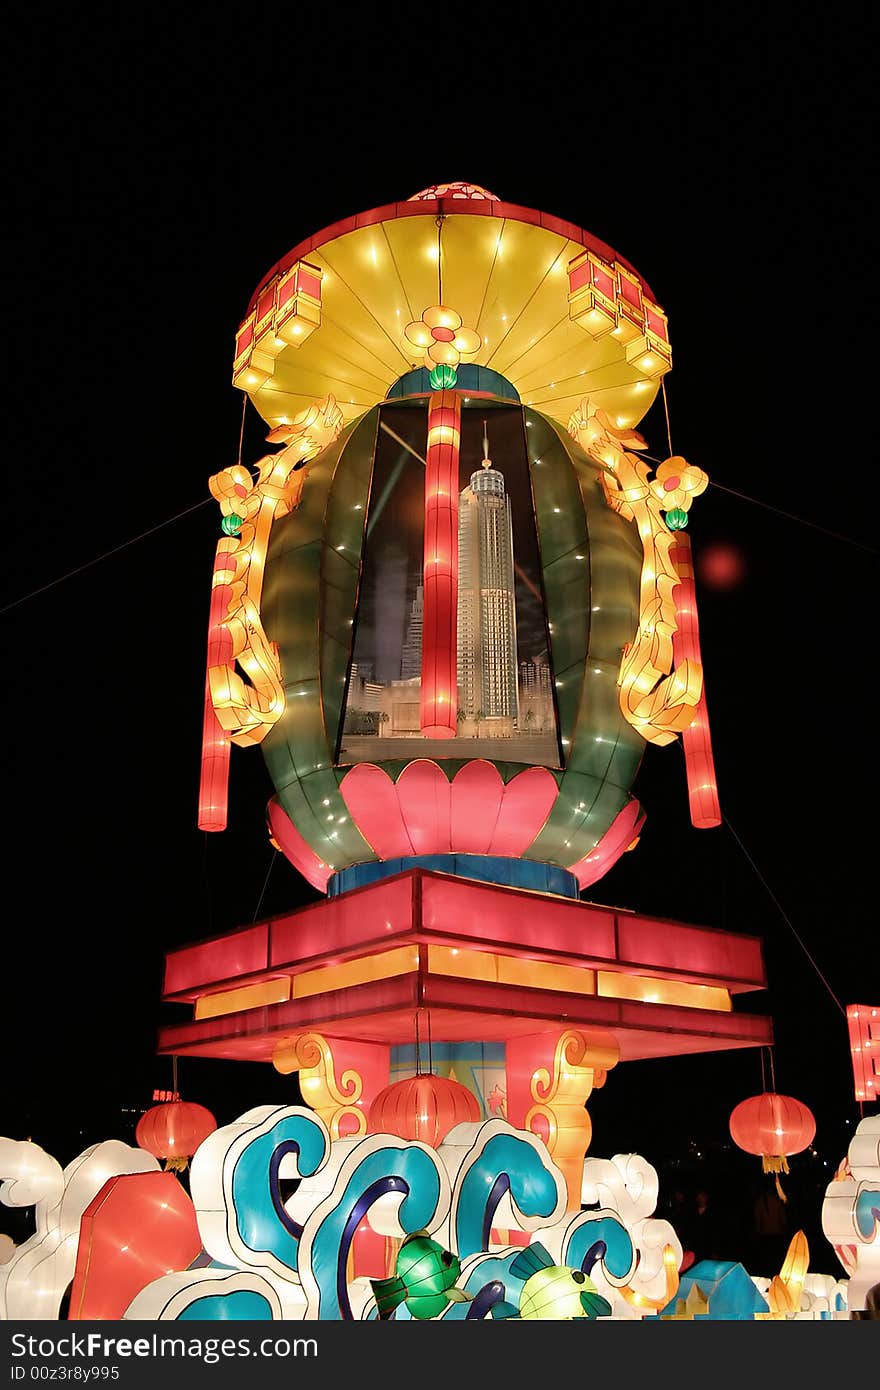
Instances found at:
x=440 y=336
x=677 y=482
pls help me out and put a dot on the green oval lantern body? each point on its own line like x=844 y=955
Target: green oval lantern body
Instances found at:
x=585 y=592
x=231 y=524
x=676 y=518
x=442 y=377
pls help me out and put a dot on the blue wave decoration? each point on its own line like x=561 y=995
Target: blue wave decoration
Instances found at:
x=242 y=1305
x=868 y=1211
x=594 y=1239
x=261 y=1221
x=507 y=1163
x=409 y=1170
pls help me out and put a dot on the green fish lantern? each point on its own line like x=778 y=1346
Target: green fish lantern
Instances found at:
x=425 y=1279
x=551 y=1290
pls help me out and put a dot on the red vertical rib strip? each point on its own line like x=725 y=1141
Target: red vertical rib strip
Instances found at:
x=214 y=782
x=700 y=764
x=439 y=689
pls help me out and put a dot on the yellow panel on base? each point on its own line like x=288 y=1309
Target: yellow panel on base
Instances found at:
x=233 y=1001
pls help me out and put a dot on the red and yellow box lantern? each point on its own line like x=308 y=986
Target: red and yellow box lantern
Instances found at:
x=250 y=368
x=265 y=341
x=287 y=310
x=298 y=309
x=630 y=324
x=649 y=351
x=592 y=294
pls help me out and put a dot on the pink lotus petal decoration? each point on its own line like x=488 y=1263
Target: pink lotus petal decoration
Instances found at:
x=424 y=813
x=617 y=838
x=287 y=838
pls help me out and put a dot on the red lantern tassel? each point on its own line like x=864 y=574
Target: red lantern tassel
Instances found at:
x=699 y=761
x=776 y=1164
x=439 y=687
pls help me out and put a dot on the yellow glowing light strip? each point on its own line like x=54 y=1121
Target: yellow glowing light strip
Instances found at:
x=647 y=990
x=494 y=968
x=402 y=961
x=510 y=970
x=234 y=1001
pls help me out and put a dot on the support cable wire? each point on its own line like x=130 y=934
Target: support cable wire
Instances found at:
x=768 y=506
x=837 y=535
x=666 y=408
x=265 y=885
x=134 y=539
x=106 y=555
x=790 y=516
x=784 y=915
x=780 y=909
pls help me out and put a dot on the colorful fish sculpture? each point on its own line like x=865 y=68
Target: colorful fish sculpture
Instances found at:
x=425 y=1279
x=551 y=1291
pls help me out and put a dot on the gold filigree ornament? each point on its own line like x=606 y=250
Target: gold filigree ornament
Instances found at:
x=580 y=1065
x=657 y=698
x=335 y=1102
x=248 y=705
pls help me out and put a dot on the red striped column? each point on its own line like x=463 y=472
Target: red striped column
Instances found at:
x=439 y=691
x=700 y=764
x=214 y=780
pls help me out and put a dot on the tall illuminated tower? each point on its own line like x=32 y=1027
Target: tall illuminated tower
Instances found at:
x=411 y=657
x=487 y=666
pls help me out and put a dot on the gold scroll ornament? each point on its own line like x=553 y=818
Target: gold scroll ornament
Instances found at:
x=333 y=1101
x=580 y=1065
x=247 y=706
x=657 y=700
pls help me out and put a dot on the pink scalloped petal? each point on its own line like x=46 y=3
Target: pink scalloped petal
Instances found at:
x=620 y=834
x=477 y=794
x=426 y=805
x=527 y=802
x=295 y=848
x=374 y=806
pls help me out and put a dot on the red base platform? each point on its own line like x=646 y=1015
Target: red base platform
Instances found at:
x=488 y=962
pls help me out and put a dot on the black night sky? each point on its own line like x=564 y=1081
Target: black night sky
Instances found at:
x=156 y=172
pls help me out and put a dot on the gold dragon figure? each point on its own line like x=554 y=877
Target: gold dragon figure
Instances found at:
x=657 y=698
x=247 y=706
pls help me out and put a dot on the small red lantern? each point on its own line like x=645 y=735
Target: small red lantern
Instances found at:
x=174 y=1131
x=772 y=1126
x=423 y=1107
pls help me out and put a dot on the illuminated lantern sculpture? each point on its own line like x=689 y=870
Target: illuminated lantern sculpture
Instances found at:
x=425 y=1279
x=174 y=1131
x=404 y=622
x=423 y=1107
x=452 y=605
x=145 y=1217
x=863 y=1022
x=773 y=1127
x=552 y=1291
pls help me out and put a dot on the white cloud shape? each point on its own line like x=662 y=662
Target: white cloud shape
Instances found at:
x=29 y=1174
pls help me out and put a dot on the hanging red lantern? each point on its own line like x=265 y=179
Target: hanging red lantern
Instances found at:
x=773 y=1127
x=423 y=1107
x=174 y=1131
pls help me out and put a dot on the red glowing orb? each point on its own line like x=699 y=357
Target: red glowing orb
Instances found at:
x=721 y=566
